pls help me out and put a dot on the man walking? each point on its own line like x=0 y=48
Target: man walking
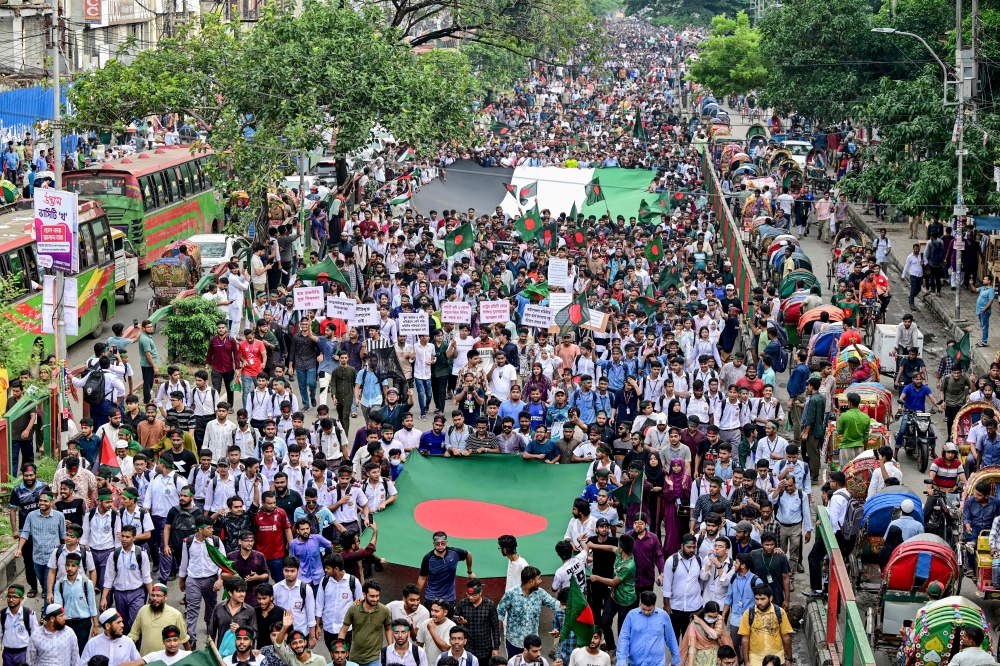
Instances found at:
x=304 y=356
x=644 y=634
x=149 y=360
x=23 y=500
x=47 y=529
x=54 y=644
x=813 y=425
x=128 y=574
x=914 y=269
x=200 y=577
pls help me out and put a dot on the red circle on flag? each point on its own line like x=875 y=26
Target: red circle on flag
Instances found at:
x=597 y=189
x=575 y=314
x=679 y=196
x=458 y=239
x=529 y=224
x=654 y=250
x=471 y=519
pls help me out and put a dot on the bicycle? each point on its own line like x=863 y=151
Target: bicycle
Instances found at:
x=870 y=315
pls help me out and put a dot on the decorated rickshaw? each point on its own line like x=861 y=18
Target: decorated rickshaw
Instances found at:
x=729 y=148
x=934 y=635
x=815 y=165
x=757 y=130
x=791 y=310
x=913 y=566
x=777 y=157
x=863 y=464
x=737 y=160
x=792 y=179
x=880 y=510
x=788 y=283
x=721 y=118
x=747 y=169
x=977 y=553
x=753 y=207
x=844 y=239
x=762 y=241
x=967 y=417
x=842 y=367
x=822 y=346
x=171 y=274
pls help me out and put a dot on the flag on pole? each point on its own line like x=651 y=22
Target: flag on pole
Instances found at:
x=579 y=617
x=499 y=128
x=647 y=213
x=961 y=353
x=529 y=225
x=639 y=130
x=107 y=462
x=577 y=238
x=458 y=240
x=648 y=304
x=403 y=197
x=630 y=493
x=670 y=275
x=654 y=250
x=573 y=315
x=594 y=191
x=522 y=193
x=573 y=212
x=550 y=236
x=407 y=154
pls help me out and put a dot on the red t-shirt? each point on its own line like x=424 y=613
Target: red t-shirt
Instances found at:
x=252 y=357
x=271 y=533
x=848 y=338
x=756 y=386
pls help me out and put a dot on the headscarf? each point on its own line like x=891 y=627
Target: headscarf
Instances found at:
x=681 y=481
x=676 y=418
x=654 y=474
x=892 y=539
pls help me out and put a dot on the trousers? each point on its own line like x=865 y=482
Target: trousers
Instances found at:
x=166 y=561
x=198 y=590
x=914 y=288
x=128 y=603
x=791 y=543
x=101 y=564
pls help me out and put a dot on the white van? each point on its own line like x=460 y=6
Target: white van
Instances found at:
x=126 y=266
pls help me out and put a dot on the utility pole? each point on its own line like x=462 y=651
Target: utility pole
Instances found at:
x=965 y=66
x=303 y=220
x=57 y=172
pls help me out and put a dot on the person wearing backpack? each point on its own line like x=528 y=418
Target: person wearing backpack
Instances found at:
x=740 y=597
x=180 y=525
x=764 y=630
x=75 y=593
x=200 y=577
x=100 y=525
x=17 y=623
x=128 y=574
x=102 y=390
x=682 y=585
x=845 y=517
x=335 y=594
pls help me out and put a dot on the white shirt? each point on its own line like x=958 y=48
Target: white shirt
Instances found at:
x=117 y=651
x=377 y=493
x=467 y=658
x=347 y=512
x=195 y=561
x=914 y=265
x=162 y=656
x=142 y=524
x=61 y=564
x=97 y=530
x=245 y=439
x=878 y=483
x=430 y=647
x=263 y=404
x=334 y=600
x=218 y=437
x=203 y=402
x=580 y=657
x=837 y=508
x=392 y=657
x=219 y=490
x=162 y=494
x=422 y=361
x=683 y=587
x=303 y=611
x=131 y=572
x=405 y=440
x=576 y=528
x=15 y=634
x=114 y=390
x=200 y=478
x=290 y=397
x=574 y=567
x=718 y=578
x=501 y=381
x=765 y=447
x=514 y=568
x=398 y=611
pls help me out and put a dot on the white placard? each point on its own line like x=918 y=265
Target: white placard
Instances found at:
x=558 y=301
x=365 y=315
x=456 y=313
x=413 y=323
x=539 y=316
x=494 y=312
x=70 y=298
x=558 y=272
x=598 y=320
x=308 y=298
x=341 y=308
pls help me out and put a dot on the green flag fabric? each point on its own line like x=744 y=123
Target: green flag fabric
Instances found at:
x=648 y=214
x=961 y=354
x=669 y=275
x=648 y=304
x=654 y=250
x=577 y=238
x=500 y=128
x=550 y=236
x=204 y=657
x=529 y=225
x=579 y=617
x=326 y=268
x=573 y=212
x=639 y=130
x=536 y=292
x=573 y=315
x=630 y=493
x=458 y=240
x=594 y=191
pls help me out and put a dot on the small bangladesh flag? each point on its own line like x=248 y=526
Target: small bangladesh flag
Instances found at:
x=403 y=197
x=579 y=617
x=536 y=292
x=573 y=212
x=670 y=275
x=961 y=353
x=549 y=238
x=648 y=304
x=529 y=225
x=647 y=213
x=654 y=250
x=522 y=193
x=107 y=462
x=573 y=315
x=499 y=128
x=594 y=192
x=671 y=200
x=577 y=238
x=630 y=493
x=458 y=240
x=639 y=129
x=220 y=560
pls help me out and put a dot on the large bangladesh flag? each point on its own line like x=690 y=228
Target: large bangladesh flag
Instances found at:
x=579 y=617
x=529 y=225
x=575 y=314
x=461 y=497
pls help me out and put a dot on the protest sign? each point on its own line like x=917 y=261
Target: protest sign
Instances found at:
x=558 y=301
x=413 y=323
x=558 y=272
x=456 y=313
x=598 y=320
x=308 y=298
x=494 y=312
x=365 y=315
x=56 y=230
x=538 y=316
x=341 y=308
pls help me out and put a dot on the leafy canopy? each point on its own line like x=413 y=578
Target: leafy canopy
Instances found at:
x=729 y=60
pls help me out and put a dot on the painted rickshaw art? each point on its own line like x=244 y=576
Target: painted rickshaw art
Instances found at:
x=934 y=637
x=978 y=551
x=880 y=510
x=968 y=416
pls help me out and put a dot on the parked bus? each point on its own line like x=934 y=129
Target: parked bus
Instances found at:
x=95 y=280
x=155 y=197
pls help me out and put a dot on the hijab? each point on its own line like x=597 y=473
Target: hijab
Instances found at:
x=655 y=474
x=681 y=481
x=675 y=417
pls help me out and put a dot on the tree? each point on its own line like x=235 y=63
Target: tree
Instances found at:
x=729 y=60
x=496 y=67
x=680 y=13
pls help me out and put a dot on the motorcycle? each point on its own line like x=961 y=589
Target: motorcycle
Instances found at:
x=919 y=438
x=943 y=518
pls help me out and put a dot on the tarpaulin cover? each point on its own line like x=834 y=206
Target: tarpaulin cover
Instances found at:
x=879 y=507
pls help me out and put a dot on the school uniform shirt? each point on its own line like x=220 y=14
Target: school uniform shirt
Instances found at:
x=377 y=493
x=347 y=513
x=218 y=492
x=245 y=488
x=163 y=493
x=682 y=587
x=195 y=560
x=297 y=477
x=200 y=479
x=334 y=598
x=132 y=570
x=59 y=564
x=246 y=440
x=203 y=402
x=263 y=405
x=15 y=634
x=303 y=607
x=162 y=655
x=99 y=530
x=140 y=519
x=270 y=471
x=78 y=598
x=716 y=580
x=329 y=443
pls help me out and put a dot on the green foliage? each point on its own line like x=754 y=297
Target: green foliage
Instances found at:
x=601 y=8
x=13 y=355
x=729 y=60
x=190 y=328
x=495 y=67
x=682 y=13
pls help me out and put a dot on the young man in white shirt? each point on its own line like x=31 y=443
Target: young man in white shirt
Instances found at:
x=337 y=592
x=887 y=469
x=171 y=651
x=515 y=563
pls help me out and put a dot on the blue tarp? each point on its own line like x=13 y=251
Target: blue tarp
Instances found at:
x=879 y=507
x=21 y=109
x=987 y=222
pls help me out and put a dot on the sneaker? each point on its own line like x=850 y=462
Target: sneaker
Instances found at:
x=354 y=415
x=799 y=568
x=813 y=594
x=791 y=586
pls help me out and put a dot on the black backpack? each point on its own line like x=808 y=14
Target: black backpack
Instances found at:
x=853 y=517
x=414 y=648
x=183 y=525
x=777 y=612
x=25 y=614
x=142 y=554
x=93 y=388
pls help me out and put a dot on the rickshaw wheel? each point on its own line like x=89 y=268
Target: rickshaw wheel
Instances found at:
x=829 y=275
x=870 y=332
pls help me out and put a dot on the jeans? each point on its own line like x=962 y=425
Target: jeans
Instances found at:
x=423 y=394
x=914 y=288
x=148 y=377
x=307 y=386
x=440 y=392
x=984 y=323
x=26 y=448
x=276 y=570
x=222 y=380
x=42 y=573
x=247 y=386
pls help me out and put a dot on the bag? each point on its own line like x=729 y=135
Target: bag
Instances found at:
x=415 y=649
x=25 y=611
x=780 y=360
x=234 y=386
x=183 y=527
x=937 y=252
x=227 y=645
x=853 y=517
x=777 y=612
x=93 y=388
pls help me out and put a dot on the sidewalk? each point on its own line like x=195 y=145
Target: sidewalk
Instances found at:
x=943 y=307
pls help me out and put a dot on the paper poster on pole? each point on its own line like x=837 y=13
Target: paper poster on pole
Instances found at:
x=558 y=272
x=69 y=304
x=308 y=298
x=341 y=308
x=456 y=313
x=598 y=320
x=494 y=312
x=365 y=315
x=558 y=301
x=56 y=230
x=538 y=316
x=414 y=323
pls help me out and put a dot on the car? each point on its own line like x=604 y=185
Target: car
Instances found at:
x=216 y=249
x=799 y=150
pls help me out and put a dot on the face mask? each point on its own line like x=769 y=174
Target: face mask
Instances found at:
x=711 y=620
x=395 y=462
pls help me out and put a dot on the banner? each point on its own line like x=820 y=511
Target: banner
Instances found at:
x=456 y=313
x=413 y=323
x=558 y=301
x=558 y=272
x=365 y=315
x=341 y=308
x=57 y=230
x=598 y=320
x=538 y=316
x=70 y=298
x=308 y=298
x=494 y=312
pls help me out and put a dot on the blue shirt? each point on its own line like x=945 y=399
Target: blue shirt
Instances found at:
x=324 y=517
x=908 y=525
x=89 y=446
x=915 y=400
x=988 y=448
x=329 y=351
x=549 y=448
x=309 y=554
x=431 y=443
x=981 y=517
x=585 y=402
x=537 y=415
x=512 y=409
x=615 y=372
x=440 y=573
x=796 y=381
x=739 y=598
x=371 y=387
x=986 y=294
x=590 y=492
x=643 y=637
x=76 y=598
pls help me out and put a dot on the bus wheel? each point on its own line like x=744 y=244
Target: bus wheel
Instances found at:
x=130 y=292
x=102 y=317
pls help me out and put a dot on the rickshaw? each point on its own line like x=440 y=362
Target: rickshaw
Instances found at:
x=967 y=417
x=815 y=164
x=170 y=275
x=933 y=637
x=757 y=130
x=842 y=368
x=789 y=282
x=823 y=345
x=746 y=169
x=721 y=118
x=977 y=554
x=799 y=261
x=737 y=160
x=880 y=510
x=791 y=310
x=876 y=400
x=765 y=234
x=709 y=110
x=777 y=157
x=858 y=471
x=792 y=179
x=730 y=147
x=754 y=207
x=844 y=239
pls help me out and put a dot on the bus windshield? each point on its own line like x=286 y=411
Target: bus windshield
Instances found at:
x=96 y=184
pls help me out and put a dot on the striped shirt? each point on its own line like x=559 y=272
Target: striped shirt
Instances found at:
x=46 y=532
x=945 y=475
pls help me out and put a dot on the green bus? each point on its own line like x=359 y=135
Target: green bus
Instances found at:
x=95 y=280
x=156 y=197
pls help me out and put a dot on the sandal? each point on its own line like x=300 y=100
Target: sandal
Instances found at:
x=32 y=594
x=982 y=344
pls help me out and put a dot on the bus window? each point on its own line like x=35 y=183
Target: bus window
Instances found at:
x=34 y=280
x=16 y=266
x=169 y=193
x=190 y=185
x=197 y=174
x=96 y=183
x=88 y=258
x=148 y=194
x=172 y=180
x=203 y=166
x=158 y=190
x=102 y=240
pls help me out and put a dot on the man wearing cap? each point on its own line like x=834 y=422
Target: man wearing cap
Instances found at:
x=53 y=644
x=244 y=642
x=17 y=623
x=47 y=529
x=200 y=577
x=153 y=618
x=906 y=523
x=128 y=574
x=23 y=500
x=112 y=643
x=75 y=593
x=100 y=525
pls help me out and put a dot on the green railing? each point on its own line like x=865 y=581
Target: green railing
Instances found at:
x=43 y=401
x=845 y=629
